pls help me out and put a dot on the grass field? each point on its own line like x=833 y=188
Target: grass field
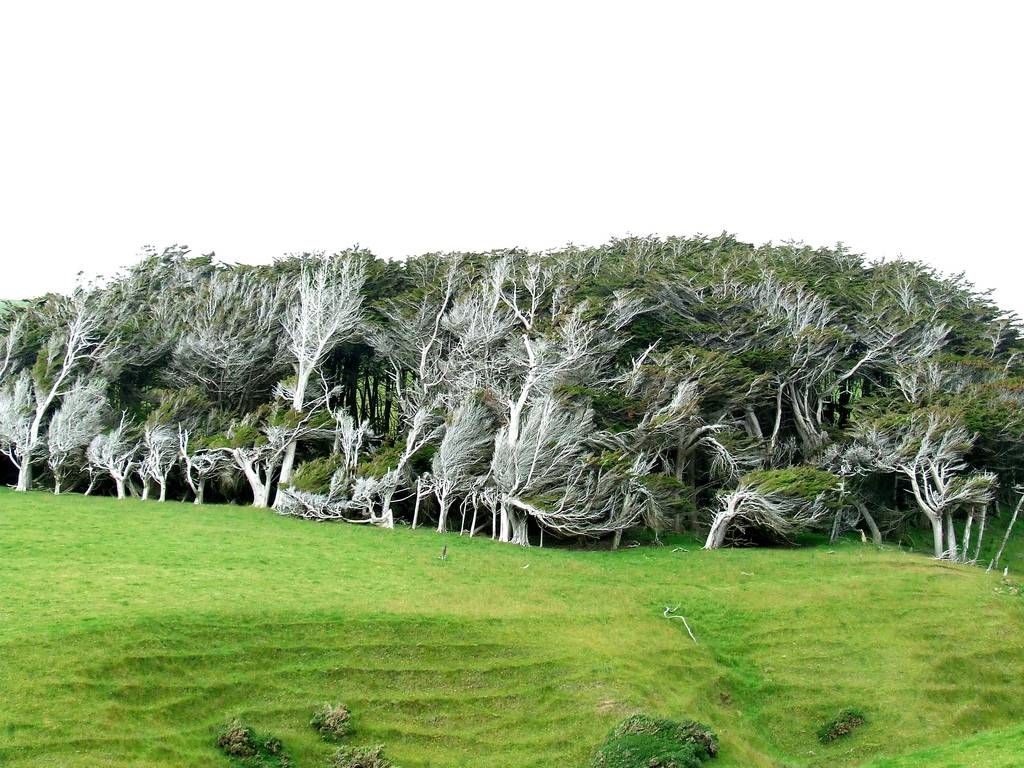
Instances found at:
x=129 y=631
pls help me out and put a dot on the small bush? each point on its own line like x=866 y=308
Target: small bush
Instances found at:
x=843 y=724
x=243 y=744
x=361 y=757
x=640 y=741
x=332 y=721
x=314 y=476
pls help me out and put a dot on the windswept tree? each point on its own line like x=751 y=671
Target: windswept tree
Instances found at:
x=114 y=453
x=929 y=449
x=158 y=455
x=775 y=503
x=326 y=311
x=76 y=342
x=257 y=444
x=77 y=421
x=229 y=343
x=199 y=462
x=459 y=467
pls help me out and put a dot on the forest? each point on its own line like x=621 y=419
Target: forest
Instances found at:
x=750 y=394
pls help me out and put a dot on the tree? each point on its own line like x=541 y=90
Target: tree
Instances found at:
x=326 y=312
x=76 y=343
x=201 y=463
x=114 y=452
x=460 y=464
x=779 y=503
x=78 y=420
x=929 y=450
x=159 y=451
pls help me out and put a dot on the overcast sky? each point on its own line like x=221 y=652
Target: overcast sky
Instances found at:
x=255 y=129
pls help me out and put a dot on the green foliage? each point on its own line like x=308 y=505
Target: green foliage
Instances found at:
x=843 y=723
x=314 y=476
x=797 y=482
x=641 y=742
x=612 y=410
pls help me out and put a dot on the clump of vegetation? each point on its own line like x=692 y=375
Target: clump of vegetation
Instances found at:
x=843 y=724
x=640 y=741
x=361 y=757
x=247 y=747
x=332 y=721
x=314 y=476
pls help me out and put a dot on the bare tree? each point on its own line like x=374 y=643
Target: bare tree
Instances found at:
x=462 y=456
x=77 y=343
x=114 y=452
x=258 y=450
x=326 y=312
x=930 y=452
x=758 y=501
x=230 y=340
x=11 y=341
x=76 y=422
x=200 y=464
x=159 y=450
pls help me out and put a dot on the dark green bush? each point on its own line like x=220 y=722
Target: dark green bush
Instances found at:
x=314 y=476
x=332 y=721
x=243 y=745
x=843 y=724
x=361 y=757
x=640 y=741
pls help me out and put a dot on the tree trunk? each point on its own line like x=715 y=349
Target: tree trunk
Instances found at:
x=25 y=475
x=936 y=523
x=145 y=488
x=119 y=482
x=720 y=526
x=56 y=484
x=1006 y=536
x=163 y=491
x=951 y=547
x=965 y=547
x=876 y=535
x=200 y=490
x=981 y=533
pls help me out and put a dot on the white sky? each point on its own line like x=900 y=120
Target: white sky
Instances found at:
x=255 y=129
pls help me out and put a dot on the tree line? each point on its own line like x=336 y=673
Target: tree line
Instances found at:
x=746 y=392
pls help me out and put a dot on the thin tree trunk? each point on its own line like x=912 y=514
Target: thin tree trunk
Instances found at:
x=936 y=523
x=951 y=548
x=968 y=524
x=981 y=532
x=876 y=535
x=1006 y=536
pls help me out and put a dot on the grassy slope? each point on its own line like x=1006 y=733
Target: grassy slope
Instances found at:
x=130 y=630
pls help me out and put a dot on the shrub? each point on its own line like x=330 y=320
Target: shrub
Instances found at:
x=640 y=741
x=314 y=476
x=332 y=721
x=843 y=724
x=361 y=757
x=243 y=744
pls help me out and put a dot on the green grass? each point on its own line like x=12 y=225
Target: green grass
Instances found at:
x=130 y=632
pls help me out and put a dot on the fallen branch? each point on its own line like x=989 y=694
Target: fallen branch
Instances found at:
x=681 y=618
